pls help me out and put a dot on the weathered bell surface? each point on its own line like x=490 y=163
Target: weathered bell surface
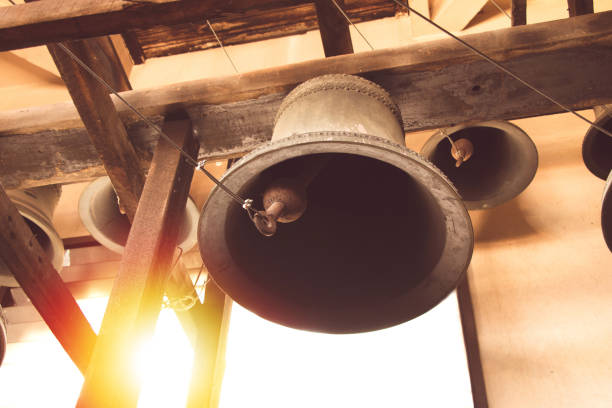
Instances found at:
x=3 y=337
x=502 y=161
x=597 y=146
x=383 y=236
x=36 y=205
x=606 y=212
x=100 y=214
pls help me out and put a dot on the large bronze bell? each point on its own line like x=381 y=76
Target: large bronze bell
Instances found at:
x=373 y=234
x=597 y=146
x=489 y=162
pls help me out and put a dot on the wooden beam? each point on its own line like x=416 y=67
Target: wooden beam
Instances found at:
x=436 y=84
x=136 y=296
x=31 y=267
x=579 y=7
x=334 y=28
x=92 y=101
x=455 y=15
x=209 y=360
x=519 y=12
x=38 y=23
x=472 y=348
x=252 y=25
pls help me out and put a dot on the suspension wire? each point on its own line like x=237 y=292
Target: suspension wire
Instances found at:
x=204 y=284
x=504 y=69
x=351 y=23
x=246 y=204
x=444 y=133
x=500 y=9
x=222 y=47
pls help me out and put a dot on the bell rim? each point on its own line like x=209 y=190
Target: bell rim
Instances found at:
x=3 y=335
x=191 y=211
x=606 y=212
x=508 y=127
x=443 y=279
x=587 y=148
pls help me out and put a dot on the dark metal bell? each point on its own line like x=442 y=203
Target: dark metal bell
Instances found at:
x=606 y=212
x=503 y=161
x=383 y=236
x=597 y=146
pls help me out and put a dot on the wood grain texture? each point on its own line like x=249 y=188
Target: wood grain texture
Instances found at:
x=30 y=266
x=435 y=84
x=252 y=25
x=334 y=28
x=136 y=296
x=38 y=23
x=106 y=131
x=519 y=12
x=579 y=7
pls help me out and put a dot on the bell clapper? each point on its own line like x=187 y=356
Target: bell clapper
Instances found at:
x=265 y=221
x=284 y=199
x=461 y=149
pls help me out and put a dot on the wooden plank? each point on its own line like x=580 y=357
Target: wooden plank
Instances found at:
x=37 y=23
x=92 y=101
x=579 y=7
x=472 y=348
x=419 y=26
x=252 y=25
x=436 y=84
x=79 y=289
x=455 y=15
x=519 y=12
x=136 y=296
x=209 y=359
x=27 y=261
x=334 y=28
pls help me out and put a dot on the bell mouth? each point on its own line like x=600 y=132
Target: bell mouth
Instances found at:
x=503 y=164
x=99 y=213
x=370 y=251
x=597 y=149
x=606 y=212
